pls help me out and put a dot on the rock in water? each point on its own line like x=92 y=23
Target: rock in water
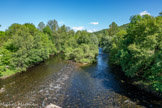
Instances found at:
x=2 y=90
x=52 y=106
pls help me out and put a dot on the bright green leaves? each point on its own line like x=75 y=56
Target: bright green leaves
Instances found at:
x=83 y=53
x=5 y=57
x=113 y=29
x=82 y=48
x=106 y=43
x=25 y=47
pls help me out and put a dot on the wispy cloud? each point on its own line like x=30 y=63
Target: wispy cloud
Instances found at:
x=93 y=30
x=78 y=28
x=144 y=13
x=94 y=23
x=61 y=22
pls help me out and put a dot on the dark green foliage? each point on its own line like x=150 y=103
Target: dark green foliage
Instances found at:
x=47 y=30
x=83 y=39
x=138 y=50
x=141 y=52
x=160 y=14
x=2 y=37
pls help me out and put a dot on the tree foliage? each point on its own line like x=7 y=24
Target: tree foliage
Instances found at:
x=138 y=49
x=22 y=46
x=41 y=26
x=113 y=29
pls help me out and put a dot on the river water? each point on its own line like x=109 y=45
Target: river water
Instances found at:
x=68 y=85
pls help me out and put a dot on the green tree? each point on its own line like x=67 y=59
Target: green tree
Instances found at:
x=47 y=30
x=22 y=46
x=140 y=55
x=83 y=37
x=31 y=27
x=138 y=50
x=160 y=13
x=53 y=25
x=2 y=38
x=113 y=29
x=41 y=26
x=94 y=39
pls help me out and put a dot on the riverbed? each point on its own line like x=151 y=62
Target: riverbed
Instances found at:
x=65 y=84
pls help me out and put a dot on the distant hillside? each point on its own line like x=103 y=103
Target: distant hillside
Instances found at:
x=103 y=31
x=122 y=27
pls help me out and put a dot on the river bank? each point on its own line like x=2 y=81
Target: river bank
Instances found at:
x=66 y=84
x=36 y=64
x=14 y=73
x=147 y=88
x=138 y=84
x=41 y=85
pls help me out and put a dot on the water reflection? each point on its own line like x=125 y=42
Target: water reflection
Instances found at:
x=65 y=84
x=96 y=86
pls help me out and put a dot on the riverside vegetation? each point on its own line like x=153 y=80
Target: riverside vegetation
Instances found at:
x=135 y=47
x=22 y=46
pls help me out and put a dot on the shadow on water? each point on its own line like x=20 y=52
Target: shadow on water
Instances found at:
x=67 y=85
x=134 y=93
x=100 y=85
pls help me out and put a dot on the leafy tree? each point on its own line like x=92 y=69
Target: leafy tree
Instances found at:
x=53 y=25
x=41 y=26
x=106 y=43
x=113 y=29
x=137 y=48
x=138 y=51
x=47 y=30
x=2 y=37
x=25 y=45
x=160 y=13
x=31 y=27
x=94 y=39
x=83 y=38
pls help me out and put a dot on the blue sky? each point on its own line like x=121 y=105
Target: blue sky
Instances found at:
x=77 y=14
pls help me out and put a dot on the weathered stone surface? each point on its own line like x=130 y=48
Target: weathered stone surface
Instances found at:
x=2 y=90
x=52 y=106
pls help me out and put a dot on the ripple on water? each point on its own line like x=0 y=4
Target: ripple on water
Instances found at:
x=56 y=82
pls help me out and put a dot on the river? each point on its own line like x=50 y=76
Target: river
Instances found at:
x=63 y=83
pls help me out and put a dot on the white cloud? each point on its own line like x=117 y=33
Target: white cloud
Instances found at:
x=93 y=30
x=78 y=28
x=144 y=13
x=94 y=23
